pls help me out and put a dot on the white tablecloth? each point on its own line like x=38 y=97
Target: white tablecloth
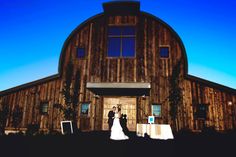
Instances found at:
x=155 y=131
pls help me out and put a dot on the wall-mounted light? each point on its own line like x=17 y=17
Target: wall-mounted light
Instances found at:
x=96 y=96
x=144 y=96
x=230 y=103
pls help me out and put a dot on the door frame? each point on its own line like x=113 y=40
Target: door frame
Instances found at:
x=136 y=105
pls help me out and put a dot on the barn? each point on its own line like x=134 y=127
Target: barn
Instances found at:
x=129 y=58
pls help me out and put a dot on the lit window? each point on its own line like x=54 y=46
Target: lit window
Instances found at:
x=80 y=52
x=201 y=111
x=121 y=41
x=44 y=108
x=156 y=110
x=164 y=52
x=85 y=108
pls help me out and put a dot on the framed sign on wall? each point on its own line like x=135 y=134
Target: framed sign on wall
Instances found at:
x=66 y=127
x=151 y=119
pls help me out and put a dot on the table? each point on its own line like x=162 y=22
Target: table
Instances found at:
x=155 y=131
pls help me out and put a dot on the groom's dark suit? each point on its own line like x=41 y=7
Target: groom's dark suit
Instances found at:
x=111 y=115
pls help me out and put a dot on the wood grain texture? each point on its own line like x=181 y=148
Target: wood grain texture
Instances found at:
x=146 y=66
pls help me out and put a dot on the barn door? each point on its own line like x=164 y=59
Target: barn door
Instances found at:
x=128 y=107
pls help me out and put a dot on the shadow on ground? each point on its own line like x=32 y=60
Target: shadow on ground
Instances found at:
x=98 y=144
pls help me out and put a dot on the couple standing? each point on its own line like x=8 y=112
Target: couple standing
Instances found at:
x=114 y=124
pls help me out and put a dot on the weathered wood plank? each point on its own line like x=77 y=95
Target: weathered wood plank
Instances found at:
x=146 y=66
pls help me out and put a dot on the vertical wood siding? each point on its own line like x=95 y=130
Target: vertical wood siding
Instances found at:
x=147 y=66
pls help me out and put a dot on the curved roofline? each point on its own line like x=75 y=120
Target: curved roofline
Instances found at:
x=66 y=43
x=176 y=35
x=80 y=26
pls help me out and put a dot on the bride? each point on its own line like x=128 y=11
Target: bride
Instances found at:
x=116 y=129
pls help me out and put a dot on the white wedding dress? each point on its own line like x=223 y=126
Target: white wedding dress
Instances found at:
x=116 y=130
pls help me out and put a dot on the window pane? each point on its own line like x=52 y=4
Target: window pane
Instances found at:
x=164 y=52
x=114 y=45
x=156 y=110
x=114 y=31
x=128 y=30
x=121 y=45
x=44 y=108
x=85 y=108
x=80 y=52
x=128 y=47
x=202 y=111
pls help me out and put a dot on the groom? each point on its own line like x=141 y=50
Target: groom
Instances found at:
x=111 y=115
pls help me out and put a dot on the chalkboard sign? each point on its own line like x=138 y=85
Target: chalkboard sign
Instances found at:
x=66 y=127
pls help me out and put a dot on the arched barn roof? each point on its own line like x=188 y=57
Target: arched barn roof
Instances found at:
x=107 y=10
x=78 y=28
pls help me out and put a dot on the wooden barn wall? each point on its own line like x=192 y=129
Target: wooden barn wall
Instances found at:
x=30 y=99
x=220 y=114
x=147 y=66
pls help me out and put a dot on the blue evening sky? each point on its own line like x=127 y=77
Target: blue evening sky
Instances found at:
x=32 y=33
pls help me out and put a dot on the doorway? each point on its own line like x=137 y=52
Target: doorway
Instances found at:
x=128 y=107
